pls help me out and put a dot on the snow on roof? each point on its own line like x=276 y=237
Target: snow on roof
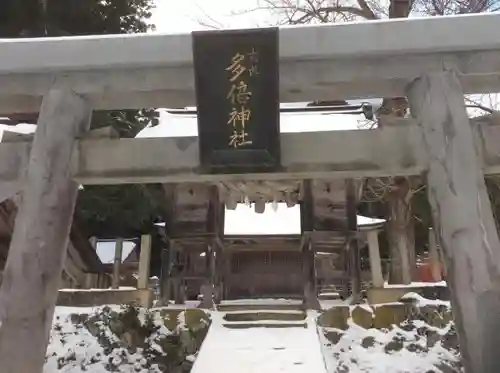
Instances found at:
x=364 y=221
x=106 y=250
x=245 y=221
x=21 y=128
x=285 y=220
x=180 y=125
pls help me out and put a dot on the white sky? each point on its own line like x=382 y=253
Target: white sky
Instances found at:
x=186 y=15
x=106 y=250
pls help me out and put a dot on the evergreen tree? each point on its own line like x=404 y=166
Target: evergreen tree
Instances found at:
x=103 y=210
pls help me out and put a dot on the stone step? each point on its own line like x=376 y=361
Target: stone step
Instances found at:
x=330 y=295
x=228 y=307
x=265 y=324
x=250 y=316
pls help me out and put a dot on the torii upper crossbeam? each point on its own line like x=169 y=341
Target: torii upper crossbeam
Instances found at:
x=317 y=62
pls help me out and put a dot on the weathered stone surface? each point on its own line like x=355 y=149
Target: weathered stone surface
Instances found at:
x=335 y=318
x=390 y=314
x=394 y=346
x=433 y=337
x=130 y=330
x=432 y=316
x=171 y=318
x=333 y=336
x=450 y=340
x=362 y=317
x=446 y=314
x=408 y=326
x=368 y=342
x=196 y=319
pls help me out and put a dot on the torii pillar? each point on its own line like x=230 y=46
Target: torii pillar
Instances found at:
x=38 y=248
x=462 y=215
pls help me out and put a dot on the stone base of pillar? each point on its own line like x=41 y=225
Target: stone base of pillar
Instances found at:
x=179 y=294
x=207 y=291
x=218 y=294
x=311 y=298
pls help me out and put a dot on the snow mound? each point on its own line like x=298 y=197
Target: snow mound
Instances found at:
x=121 y=339
x=414 y=346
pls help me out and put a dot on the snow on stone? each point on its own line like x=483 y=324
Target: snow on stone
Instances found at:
x=82 y=340
x=421 y=301
x=175 y=125
x=397 y=350
x=416 y=284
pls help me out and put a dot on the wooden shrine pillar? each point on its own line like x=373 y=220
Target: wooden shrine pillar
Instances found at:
x=354 y=262
x=117 y=263
x=38 y=247
x=310 y=299
x=309 y=275
x=167 y=259
x=218 y=271
x=462 y=214
x=215 y=226
x=177 y=275
x=168 y=253
x=434 y=257
x=144 y=262
x=375 y=262
x=207 y=288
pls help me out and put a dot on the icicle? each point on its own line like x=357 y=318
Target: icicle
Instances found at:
x=275 y=205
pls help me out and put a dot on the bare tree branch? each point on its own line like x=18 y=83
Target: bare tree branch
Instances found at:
x=475 y=104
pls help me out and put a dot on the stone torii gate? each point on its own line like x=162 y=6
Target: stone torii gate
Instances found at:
x=66 y=78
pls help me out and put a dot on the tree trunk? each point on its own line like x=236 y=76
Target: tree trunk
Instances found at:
x=462 y=216
x=37 y=252
x=400 y=232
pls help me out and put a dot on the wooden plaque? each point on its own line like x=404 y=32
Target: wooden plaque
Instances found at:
x=237 y=93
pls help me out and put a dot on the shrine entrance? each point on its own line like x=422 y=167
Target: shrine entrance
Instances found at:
x=239 y=79
x=265 y=274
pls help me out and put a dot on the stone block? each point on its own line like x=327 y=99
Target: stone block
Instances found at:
x=362 y=317
x=335 y=318
x=394 y=293
x=387 y=315
x=170 y=318
x=196 y=319
x=431 y=314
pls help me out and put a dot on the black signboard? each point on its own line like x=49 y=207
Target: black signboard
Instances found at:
x=237 y=93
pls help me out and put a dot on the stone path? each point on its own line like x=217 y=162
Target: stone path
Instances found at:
x=261 y=341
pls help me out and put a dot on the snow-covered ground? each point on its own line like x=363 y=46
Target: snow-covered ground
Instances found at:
x=79 y=346
x=405 y=349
